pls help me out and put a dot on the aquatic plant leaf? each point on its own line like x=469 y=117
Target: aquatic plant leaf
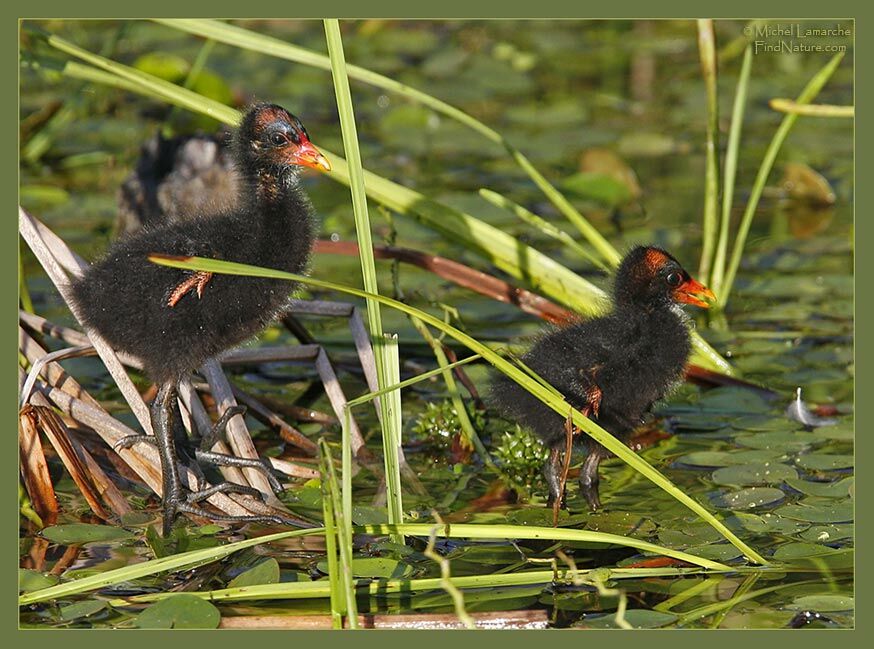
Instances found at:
x=82 y=609
x=766 y=523
x=75 y=533
x=791 y=551
x=29 y=580
x=639 y=618
x=830 y=512
x=182 y=611
x=825 y=603
x=828 y=533
x=779 y=440
x=836 y=489
x=750 y=498
x=744 y=475
x=264 y=572
x=716 y=551
x=825 y=462
x=728 y=458
x=375 y=567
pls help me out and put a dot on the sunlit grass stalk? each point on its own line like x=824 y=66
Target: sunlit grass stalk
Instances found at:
x=812 y=110
x=542 y=225
x=190 y=79
x=343 y=526
x=244 y=38
x=337 y=595
x=695 y=589
x=470 y=433
x=534 y=387
x=811 y=90
x=392 y=426
x=730 y=170
x=368 y=264
x=707 y=52
x=518 y=260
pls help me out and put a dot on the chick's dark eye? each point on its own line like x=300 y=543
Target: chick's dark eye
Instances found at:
x=278 y=139
x=674 y=280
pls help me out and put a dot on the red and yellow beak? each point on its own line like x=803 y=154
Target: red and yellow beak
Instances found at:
x=692 y=292
x=309 y=156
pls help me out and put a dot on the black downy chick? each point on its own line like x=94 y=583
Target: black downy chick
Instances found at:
x=612 y=368
x=174 y=320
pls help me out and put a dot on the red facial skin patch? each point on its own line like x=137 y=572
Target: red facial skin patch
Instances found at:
x=654 y=260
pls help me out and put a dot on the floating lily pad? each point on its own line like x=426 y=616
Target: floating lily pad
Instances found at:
x=375 y=567
x=728 y=458
x=624 y=523
x=842 y=432
x=369 y=515
x=639 y=618
x=182 y=611
x=751 y=498
x=754 y=474
x=76 y=533
x=835 y=489
x=791 y=551
x=29 y=580
x=825 y=462
x=825 y=603
x=828 y=533
x=765 y=523
x=715 y=551
x=264 y=572
x=780 y=440
x=829 y=512
x=81 y=609
x=731 y=399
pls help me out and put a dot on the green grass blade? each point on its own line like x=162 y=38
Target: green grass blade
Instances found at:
x=364 y=398
x=337 y=594
x=518 y=260
x=731 y=155
x=244 y=38
x=707 y=52
x=522 y=378
x=811 y=90
x=392 y=426
x=368 y=264
x=542 y=225
x=343 y=525
x=146 y=568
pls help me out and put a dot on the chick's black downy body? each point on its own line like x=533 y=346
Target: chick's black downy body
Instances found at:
x=174 y=320
x=613 y=367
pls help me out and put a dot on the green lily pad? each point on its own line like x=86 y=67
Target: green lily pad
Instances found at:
x=836 y=489
x=825 y=462
x=29 y=580
x=181 y=611
x=375 y=567
x=841 y=432
x=624 y=523
x=825 y=603
x=781 y=440
x=728 y=458
x=828 y=512
x=81 y=609
x=751 y=498
x=368 y=515
x=828 y=533
x=766 y=523
x=731 y=399
x=639 y=618
x=791 y=551
x=76 y=533
x=715 y=551
x=744 y=475
x=264 y=572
